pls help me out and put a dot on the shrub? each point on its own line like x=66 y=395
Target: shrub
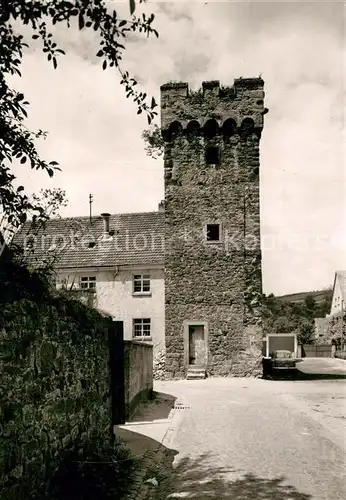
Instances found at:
x=96 y=472
x=340 y=354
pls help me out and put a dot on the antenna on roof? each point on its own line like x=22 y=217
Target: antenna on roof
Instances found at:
x=90 y=203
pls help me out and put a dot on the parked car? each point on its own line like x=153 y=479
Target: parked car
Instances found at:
x=283 y=360
x=279 y=360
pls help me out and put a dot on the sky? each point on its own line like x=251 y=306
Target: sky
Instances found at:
x=95 y=133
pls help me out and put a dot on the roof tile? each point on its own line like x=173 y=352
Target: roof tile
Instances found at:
x=138 y=239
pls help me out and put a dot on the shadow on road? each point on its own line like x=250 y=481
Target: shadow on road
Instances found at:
x=195 y=478
x=158 y=408
x=300 y=375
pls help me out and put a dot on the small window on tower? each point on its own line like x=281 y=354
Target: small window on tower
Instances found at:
x=212 y=155
x=213 y=232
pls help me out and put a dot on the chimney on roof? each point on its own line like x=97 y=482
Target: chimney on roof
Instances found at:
x=162 y=206
x=106 y=217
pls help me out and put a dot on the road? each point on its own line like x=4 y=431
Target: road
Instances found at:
x=323 y=366
x=253 y=439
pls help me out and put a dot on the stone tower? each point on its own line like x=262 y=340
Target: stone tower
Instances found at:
x=213 y=279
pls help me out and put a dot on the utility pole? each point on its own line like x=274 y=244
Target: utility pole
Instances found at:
x=90 y=203
x=342 y=324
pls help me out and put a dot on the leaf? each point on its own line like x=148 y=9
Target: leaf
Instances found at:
x=153 y=103
x=55 y=64
x=100 y=53
x=132 y=6
x=23 y=160
x=20 y=97
x=81 y=21
x=104 y=65
x=122 y=23
x=5 y=16
x=50 y=172
x=139 y=111
x=20 y=188
x=35 y=37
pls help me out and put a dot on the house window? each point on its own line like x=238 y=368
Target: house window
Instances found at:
x=88 y=282
x=212 y=155
x=213 y=232
x=141 y=283
x=141 y=328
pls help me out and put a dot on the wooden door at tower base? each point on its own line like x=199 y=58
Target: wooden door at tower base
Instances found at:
x=197 y=347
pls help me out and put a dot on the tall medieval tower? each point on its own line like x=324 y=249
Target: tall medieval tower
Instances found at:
x=213 y=279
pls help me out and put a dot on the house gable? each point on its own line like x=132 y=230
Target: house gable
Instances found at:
x=339 y=292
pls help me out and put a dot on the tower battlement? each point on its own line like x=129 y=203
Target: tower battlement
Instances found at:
x=243 y=100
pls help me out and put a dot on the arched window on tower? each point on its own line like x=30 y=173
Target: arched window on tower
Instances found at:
x=174 y=130
x=247 y=127
x=210 y=129
x=193 y=128
x=212 y=150
x=229 y=128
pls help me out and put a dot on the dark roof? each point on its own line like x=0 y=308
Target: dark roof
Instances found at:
x=138 y=239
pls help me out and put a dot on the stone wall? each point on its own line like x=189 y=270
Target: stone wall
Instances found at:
x=138 y=374
x=54 y=389
x=219 y=284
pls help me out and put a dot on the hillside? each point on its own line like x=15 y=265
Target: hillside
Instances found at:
x=319 y=296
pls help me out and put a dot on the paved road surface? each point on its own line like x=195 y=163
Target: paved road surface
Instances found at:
x=252 y=439
x=323 y=366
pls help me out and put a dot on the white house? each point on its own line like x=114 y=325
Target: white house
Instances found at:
x=114 y=261
x=339 y=293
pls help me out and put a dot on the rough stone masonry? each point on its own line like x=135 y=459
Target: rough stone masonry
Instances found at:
x=212 y=227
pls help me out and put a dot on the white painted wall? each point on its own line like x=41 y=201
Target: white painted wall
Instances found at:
x=337 y=299
x=114 y=296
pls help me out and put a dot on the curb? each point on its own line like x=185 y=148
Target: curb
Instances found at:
x=139 y=489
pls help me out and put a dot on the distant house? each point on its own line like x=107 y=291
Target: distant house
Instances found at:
x=114 y=262
x=339 y=293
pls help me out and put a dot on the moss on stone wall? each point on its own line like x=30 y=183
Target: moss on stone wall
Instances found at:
x=54 y=389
